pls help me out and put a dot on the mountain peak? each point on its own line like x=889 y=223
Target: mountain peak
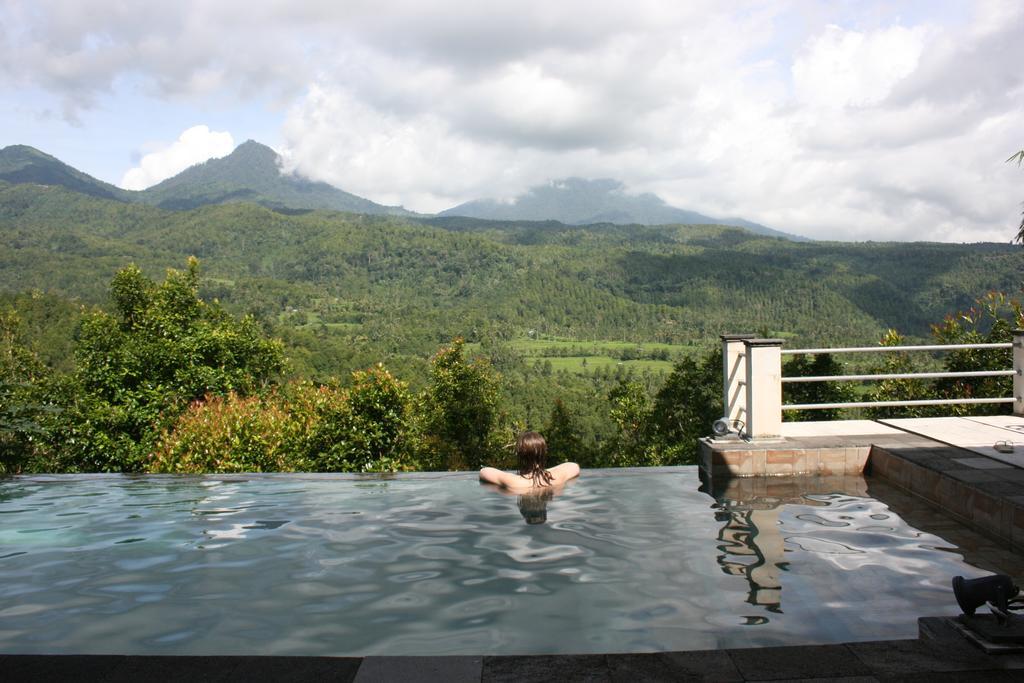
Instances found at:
x=22 y=150
x=599 y=185
x=582 y=201
x=252 y=173
x=21 y=155
x=250 y=149
x=25 y=164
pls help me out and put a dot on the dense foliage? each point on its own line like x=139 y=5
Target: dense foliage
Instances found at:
x=138 y=366
x=169 y=383
x=818 y=365
x=347 y=287
x=21 y=373
x=603 y=336
x=459 y=411
x=991 y=321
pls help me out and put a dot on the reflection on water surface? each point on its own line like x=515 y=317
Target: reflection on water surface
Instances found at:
x=631 y=560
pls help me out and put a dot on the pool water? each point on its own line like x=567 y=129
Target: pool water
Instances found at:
x=619 y=561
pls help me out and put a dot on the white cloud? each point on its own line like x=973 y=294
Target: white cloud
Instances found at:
x=840 y=68
x=195 y=145
x=875 y=120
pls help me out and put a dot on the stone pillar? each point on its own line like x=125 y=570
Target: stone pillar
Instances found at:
x=734 y=377
x=1018 y=367
x=764 y=388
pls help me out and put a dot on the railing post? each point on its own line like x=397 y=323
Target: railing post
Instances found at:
x=764 y=387
x=734 y=377
x=1018 y=368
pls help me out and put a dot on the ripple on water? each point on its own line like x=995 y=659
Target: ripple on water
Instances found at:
x=554 y=553
x=442 y=566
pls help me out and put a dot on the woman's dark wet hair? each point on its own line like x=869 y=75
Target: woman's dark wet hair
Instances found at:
x=532 y=451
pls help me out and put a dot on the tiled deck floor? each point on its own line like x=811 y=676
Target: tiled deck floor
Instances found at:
x=976 y=434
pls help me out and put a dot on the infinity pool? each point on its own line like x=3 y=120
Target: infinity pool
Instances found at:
x=619 y=561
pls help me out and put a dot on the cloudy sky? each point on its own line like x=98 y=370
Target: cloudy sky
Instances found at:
x=836 y=120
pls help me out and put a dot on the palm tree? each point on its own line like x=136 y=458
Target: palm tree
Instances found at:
x=1019 y=158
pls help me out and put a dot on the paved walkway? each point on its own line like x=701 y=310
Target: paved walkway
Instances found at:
x=940 y=654
x=979 y=435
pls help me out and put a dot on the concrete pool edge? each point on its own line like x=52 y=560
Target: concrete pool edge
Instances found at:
x=939 y=651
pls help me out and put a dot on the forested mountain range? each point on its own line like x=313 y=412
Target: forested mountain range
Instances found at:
x=406 y=284
x=251 y=173
x=370 y=278
x=578 y=201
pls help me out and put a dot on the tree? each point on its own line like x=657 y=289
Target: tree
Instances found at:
x=459 y=411
x=563 y=434
x=139 y=366
x=631 y=414
x=819 y=365
x=229 y=434
x=20 y=406
x=366 y=432
x=991 y=320
x=897 y=362
x=1019 y=158
x=686 y=405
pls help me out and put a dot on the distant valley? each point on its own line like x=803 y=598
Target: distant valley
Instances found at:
x=345 y=280
x=562 y=312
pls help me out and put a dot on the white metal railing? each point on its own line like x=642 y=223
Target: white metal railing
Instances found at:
x=874 y=404
x=899 y=375
x=883 y=349
x=752 y=380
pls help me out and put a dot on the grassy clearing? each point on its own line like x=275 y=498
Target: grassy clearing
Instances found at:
x=586 y=356
x=217 y=281
x=343 y=327
x=556 y=346
x=586 y=364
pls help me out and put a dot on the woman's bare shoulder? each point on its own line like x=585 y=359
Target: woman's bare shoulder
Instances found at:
x=565 y=471
x=492 y=475
x=515 y=482
x=509 y=481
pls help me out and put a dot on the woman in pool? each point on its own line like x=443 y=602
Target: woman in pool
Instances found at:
x=532 y=451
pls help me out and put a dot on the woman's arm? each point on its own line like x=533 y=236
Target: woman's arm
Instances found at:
x=564 y=472
x=492 y=475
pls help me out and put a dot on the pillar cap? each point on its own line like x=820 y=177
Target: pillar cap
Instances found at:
x=764 y=342
x=736 y=337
